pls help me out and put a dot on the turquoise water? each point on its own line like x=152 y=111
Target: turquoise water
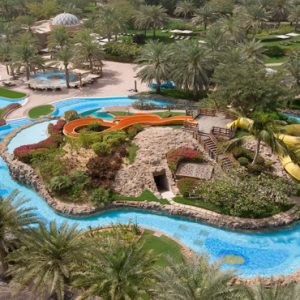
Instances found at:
x=98 y=114
x=30 y=135
x=4 y=102
x=264 y=254
x=53 y=75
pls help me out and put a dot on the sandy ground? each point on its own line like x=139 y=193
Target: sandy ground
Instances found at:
x=117 y=80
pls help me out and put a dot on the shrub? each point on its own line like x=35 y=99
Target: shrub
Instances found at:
x=101 y=149
x=243 y=161
x=274 y=51
x=24 y=153
x=187 y=186
x=87 y=139
x=132 y=131
x=124 y=50
x=60 y=183
x=139 y=39
x=175 y=156
x=101 y=197
x=95 y=127
x=71 y=115
x=249 y=197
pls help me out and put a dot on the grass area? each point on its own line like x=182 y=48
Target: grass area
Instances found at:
x=120 y=113
x=145 y=196
x=10 y=94
x=273 y=60
x=168 y=114
x=181 y=94
x=40 y=111
x=161 y=246
x=198 y=203
x=132 y=151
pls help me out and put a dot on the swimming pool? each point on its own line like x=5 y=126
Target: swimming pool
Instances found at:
x=5 y=101
x=57 y=76
x=264 y=254
x=98 y=114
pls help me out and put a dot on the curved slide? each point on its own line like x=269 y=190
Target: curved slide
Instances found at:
x=124 y=122
x=292 y=141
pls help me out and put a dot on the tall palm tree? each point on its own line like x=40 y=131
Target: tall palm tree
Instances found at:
x=58 y=38
x=27 y=22
x=195 y=280
x=280 y=10
x=151 y=17
x=25 y=53
x=263 y=129
x=274 y=292
x=87 y=50
x=6 y=57
x=65 y=55
x=46 y=259
x=258 y=16
x=117 y=270
x=185 y=8
x=15 y=219
x=293 y=66
x=294 y=16
x=191 y=66
x=154 y=63
x=204 y=15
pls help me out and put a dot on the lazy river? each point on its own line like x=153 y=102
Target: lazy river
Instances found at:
x=264 y=254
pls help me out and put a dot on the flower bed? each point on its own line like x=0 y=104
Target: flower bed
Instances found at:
x=182 y=154
x=24 y=153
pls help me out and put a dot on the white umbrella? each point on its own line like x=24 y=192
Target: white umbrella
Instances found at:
x=187 y=31
x=176 y=31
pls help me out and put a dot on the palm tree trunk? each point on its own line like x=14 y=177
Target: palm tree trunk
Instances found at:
x=27 y=72
x=67 y=76
x=2 y=260
x=256 y=152
x=7 y=69
x=91 y=63
x=154 y=33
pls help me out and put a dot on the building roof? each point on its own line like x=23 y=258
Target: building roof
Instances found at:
x=65 y=19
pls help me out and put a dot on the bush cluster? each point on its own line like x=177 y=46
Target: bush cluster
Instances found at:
x=187 y=186
x=249 y=197
x=101 y=197
x=175 y=156
x=124 y=51
x=71 y=115
x=25 y=153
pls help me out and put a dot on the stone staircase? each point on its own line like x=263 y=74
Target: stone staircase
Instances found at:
x=209 y=143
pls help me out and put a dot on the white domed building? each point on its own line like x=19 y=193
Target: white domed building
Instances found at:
x=42 y=29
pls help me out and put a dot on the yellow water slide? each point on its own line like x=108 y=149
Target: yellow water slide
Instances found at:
x=290 y=139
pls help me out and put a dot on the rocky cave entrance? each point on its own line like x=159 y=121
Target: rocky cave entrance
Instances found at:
x=161 y=181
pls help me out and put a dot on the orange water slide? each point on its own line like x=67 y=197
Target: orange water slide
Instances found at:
x=124 y=122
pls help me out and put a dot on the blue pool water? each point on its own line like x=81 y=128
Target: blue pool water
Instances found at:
x=98 y=114
x=264 y=254
x=4 y=102
x=30 y=135
x=53 y=75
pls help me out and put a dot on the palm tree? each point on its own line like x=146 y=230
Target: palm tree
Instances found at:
x=204 y=15
x=58 y=38
x=46 y=259
x=294 y=16
x=258 y=16
x=293 y=66
x=27 y=21
x=151 y=17
x=87 y=50
x=15 y=220
x=263 y=129
x=25 y=53
x=117 y=270
x=191 y=66
x=6 y=57
x=195 y=279
x=185 y=8
x=280 y=10
x=154 y=63
x=274 y=292
x=65 y=55
x=253 y=51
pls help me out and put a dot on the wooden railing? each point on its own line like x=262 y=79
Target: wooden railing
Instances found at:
x=207 y=112
x=220 y=131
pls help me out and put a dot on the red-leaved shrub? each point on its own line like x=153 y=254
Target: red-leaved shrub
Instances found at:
x=24 y=153
x=175 y=156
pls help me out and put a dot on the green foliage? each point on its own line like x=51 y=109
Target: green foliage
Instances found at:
x=87 y=139
x=101 y=149
x=122 y=51
x=248 y=197
x=71 y=115
x=101 y=197
x=187 y=186
x=132 y=151
x=134 y=130
x=60 y=183
x=10 y=94
x=182 y=94
x=244 y=161
x=95 y=127
x=274 y=51
x=40 y=111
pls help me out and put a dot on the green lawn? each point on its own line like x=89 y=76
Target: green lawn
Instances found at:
x=40 y=111
x=145 y=196
x=10 y=94
x=161 y=246
x=120 y=113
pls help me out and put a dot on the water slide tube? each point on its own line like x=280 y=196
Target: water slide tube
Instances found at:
x=123 y=122
x=292 y=141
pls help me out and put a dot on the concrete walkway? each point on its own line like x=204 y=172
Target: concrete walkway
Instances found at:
x=206 y=123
